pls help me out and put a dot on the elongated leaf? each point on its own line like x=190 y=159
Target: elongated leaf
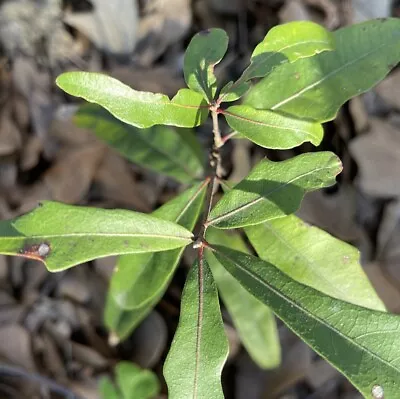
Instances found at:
x=315 y=88
x=274 y=189
x=159 y=148
x=137 y=279
x=136 y=383
x=199 y=348
x=62 y=236
x=205 y=50
x=253 y=320
x=283 y=43
x=137 y=108
x=313 y=257
x=270 y=129
x=359 y=342
x=140 y=280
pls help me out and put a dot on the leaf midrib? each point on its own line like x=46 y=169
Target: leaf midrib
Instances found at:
x=295 y=130
x=68 y=235
x=278 y=51
x=311 y=315
x=210 y=222
x=327 y=76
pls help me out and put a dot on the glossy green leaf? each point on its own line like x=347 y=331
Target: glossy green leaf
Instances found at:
x=254 y=321
x=108 y=390
x=205 y=50
x=159 y=148
x=359 y=342
x=140 y=280
x=315 y=88
x=137 y=108
x=62 y=236
x=313 y=257
x=272 y=130
x=199 y=348
x=274 y=189
x=283 y=43
x=136 y=383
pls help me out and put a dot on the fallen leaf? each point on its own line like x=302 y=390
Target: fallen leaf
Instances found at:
x=335 y=213
x=15 y=345
x=111 y=26
x=164 y=23
x=10 y=136
x=116 y=183
x=388 y=89
x=377 y=155
x=70 y=178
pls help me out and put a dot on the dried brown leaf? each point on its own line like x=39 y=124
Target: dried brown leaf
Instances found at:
x=377 y=155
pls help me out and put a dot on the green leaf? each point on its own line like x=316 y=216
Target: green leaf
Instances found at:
x=254 y=321
x=158 y=148
x=313 y=257
x=361 y=343
x=205 y=50
x=274 y=189
x=108 y=390
x=199 y=348
x=140 y=280
x=270 y=129
x=283 y=43
x=62 y=236
x=316 y=87
x=137 y=108
x=136 y=383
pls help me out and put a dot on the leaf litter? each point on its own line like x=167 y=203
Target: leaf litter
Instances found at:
x=52 y=324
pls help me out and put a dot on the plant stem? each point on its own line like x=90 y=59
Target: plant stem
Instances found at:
x=214 y=176
x=216 y=131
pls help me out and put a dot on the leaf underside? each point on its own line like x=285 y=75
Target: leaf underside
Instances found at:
x=159 y=148
x=313 y=257
x=254 y=322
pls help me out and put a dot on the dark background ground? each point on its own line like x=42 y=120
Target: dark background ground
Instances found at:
x=51 y=324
